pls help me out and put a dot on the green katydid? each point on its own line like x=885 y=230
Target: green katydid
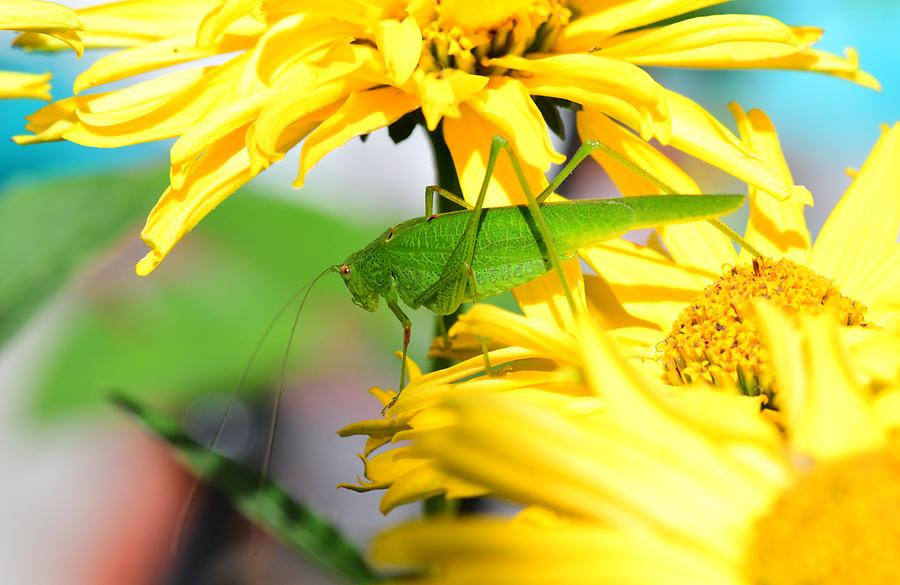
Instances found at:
x=441 y=261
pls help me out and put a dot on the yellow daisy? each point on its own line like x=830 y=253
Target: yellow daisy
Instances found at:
x=645 y=291
x=673 y=488
x=682 y=306
x=42 y=18
x=271 y=74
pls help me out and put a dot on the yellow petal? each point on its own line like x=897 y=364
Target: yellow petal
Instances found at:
x=846 y=67
x=828 y=413
x=859 y=238
x=696 y=132
x=510 y=329
x=50 y=122
x=506 y=104
x=44 y=18
x=291 y=44
x=160 y=107
x=519 y=552
x=604 y=19
x=362 y=113
x=697 y=245
x=218 y=124
x=706 y=41
x=224 y=168
x=363 y=13
x=400 y=44
x=443 y=91
x=131 y=23
x=775 y=228
x=25 y=85
x=650 y=286
x=153 y=56
x=470 y=16
x=624 y=91
x=297 y=103
x=218 y=20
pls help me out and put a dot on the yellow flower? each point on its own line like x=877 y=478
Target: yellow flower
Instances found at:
x=38 y=17
x=671 y=488
x=645 y=292
x=285 y=71
x=680 y=304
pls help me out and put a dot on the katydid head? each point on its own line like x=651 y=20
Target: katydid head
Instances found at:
x=364 y=295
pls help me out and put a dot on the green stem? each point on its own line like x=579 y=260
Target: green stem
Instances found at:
x=446 y=178
x=726 y=229
x=437 y=506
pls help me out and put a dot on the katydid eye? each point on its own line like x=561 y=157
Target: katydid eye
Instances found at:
x=345 y=270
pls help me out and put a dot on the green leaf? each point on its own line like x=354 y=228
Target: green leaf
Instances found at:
x=265 y=503
x=50 y=229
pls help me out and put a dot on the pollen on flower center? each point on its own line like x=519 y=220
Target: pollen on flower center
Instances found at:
x=716 y=337
x=533 y=30
x=838 y=524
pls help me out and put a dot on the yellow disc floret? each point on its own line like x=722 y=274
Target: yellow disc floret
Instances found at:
x=451 y=46
x=839 y=524
x=716 y=337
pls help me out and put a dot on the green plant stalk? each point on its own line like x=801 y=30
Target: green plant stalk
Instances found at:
x=446 y=178
x=263 y=502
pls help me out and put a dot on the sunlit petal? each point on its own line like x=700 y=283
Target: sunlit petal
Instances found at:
x=775 y=228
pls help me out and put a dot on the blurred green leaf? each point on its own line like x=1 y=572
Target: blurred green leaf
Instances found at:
x=189 y=328
x=50 y=229
x=265 y=503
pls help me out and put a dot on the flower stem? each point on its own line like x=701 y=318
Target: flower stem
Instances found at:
x=438 y=506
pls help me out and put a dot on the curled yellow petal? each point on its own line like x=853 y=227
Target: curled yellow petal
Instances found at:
x=152 y=56
x=506 y=104
x=696 y=132
x=25 y=85
x=363 y=112
x=815 y=60
x=443 y=91
x=224 y=168
x=43 y=18
x=707 y=41
x=620 y=89
x=218 y=20
x=603 y=19
x=775 y=228
x=400 y=43
x=129 y=23
x=52 y=121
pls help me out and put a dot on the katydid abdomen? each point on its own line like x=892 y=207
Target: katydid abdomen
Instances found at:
x=508 y=249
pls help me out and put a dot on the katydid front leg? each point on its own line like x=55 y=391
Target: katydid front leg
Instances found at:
x=404 y=320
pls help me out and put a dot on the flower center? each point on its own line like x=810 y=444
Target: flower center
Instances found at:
x=716 y=337
x=839 y=524
x=533 y=30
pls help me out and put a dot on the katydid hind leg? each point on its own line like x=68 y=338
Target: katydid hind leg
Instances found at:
x=452 y=277
x=433 y=191
x=590 y=146
x=488 y=368
x=549 y=249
